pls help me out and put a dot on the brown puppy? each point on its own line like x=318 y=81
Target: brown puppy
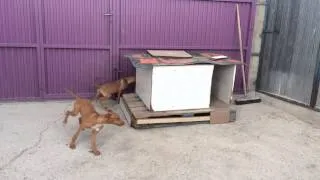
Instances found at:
x=90 y=119
x=108 y=89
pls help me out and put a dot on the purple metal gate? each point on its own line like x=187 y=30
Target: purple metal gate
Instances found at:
x=49 y=45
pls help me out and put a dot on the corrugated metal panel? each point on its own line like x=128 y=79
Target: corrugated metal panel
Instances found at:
x=76 y=22
x=66 y=37
x=17 y=21
x=18 y=73
x=181 y=23
x=186 y=25
x=75 y=69
x=18 y=66
x=279 y=68
x=77 y=45
x=316 y=88
x=303 y=64
x=125 y=65
x=289 y=56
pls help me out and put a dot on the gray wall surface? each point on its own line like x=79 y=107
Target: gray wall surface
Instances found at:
x=289 y=50
x=318 y=102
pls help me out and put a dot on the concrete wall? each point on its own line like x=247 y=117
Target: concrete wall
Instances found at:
x=256 y=44
x=318 y=102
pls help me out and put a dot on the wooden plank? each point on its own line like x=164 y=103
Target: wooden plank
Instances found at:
x=125 y=111
x=129 y=95
x=136 y=104
x=132 y=97
x=138 y=116
x=163 y=125
x=173 y=120
x=140 y=108
x=169 y=53
x=128 y=100
x=146 y=114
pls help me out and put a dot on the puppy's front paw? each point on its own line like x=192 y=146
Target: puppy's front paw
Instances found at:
x=72 y=146
x=96 y=153
x=65 y=121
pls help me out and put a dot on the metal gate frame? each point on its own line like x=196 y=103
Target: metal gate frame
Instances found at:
x=42 y=47
x=315 y=94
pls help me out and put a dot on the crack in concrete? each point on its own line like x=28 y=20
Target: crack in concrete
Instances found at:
x=21 y=153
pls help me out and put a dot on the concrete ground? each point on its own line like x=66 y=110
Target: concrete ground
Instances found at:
x=264 y=143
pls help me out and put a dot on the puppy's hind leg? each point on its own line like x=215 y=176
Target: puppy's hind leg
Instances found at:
x=94 y=148
x=80 y=122
x=74 y=138
x=119 y=96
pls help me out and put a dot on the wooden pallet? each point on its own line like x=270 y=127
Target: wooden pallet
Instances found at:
x=138 y=115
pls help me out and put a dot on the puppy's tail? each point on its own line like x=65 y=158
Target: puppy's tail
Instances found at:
x=97 y=85
x=72 y=93
x=130 y=79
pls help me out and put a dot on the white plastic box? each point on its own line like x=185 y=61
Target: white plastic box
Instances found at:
x=167 y=88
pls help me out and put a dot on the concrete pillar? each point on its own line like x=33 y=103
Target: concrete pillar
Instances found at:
x=256 y=44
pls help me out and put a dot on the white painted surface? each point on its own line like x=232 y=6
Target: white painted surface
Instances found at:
x=165 y=88
x=181 y=87
x=223 y=82
x=143 y=85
